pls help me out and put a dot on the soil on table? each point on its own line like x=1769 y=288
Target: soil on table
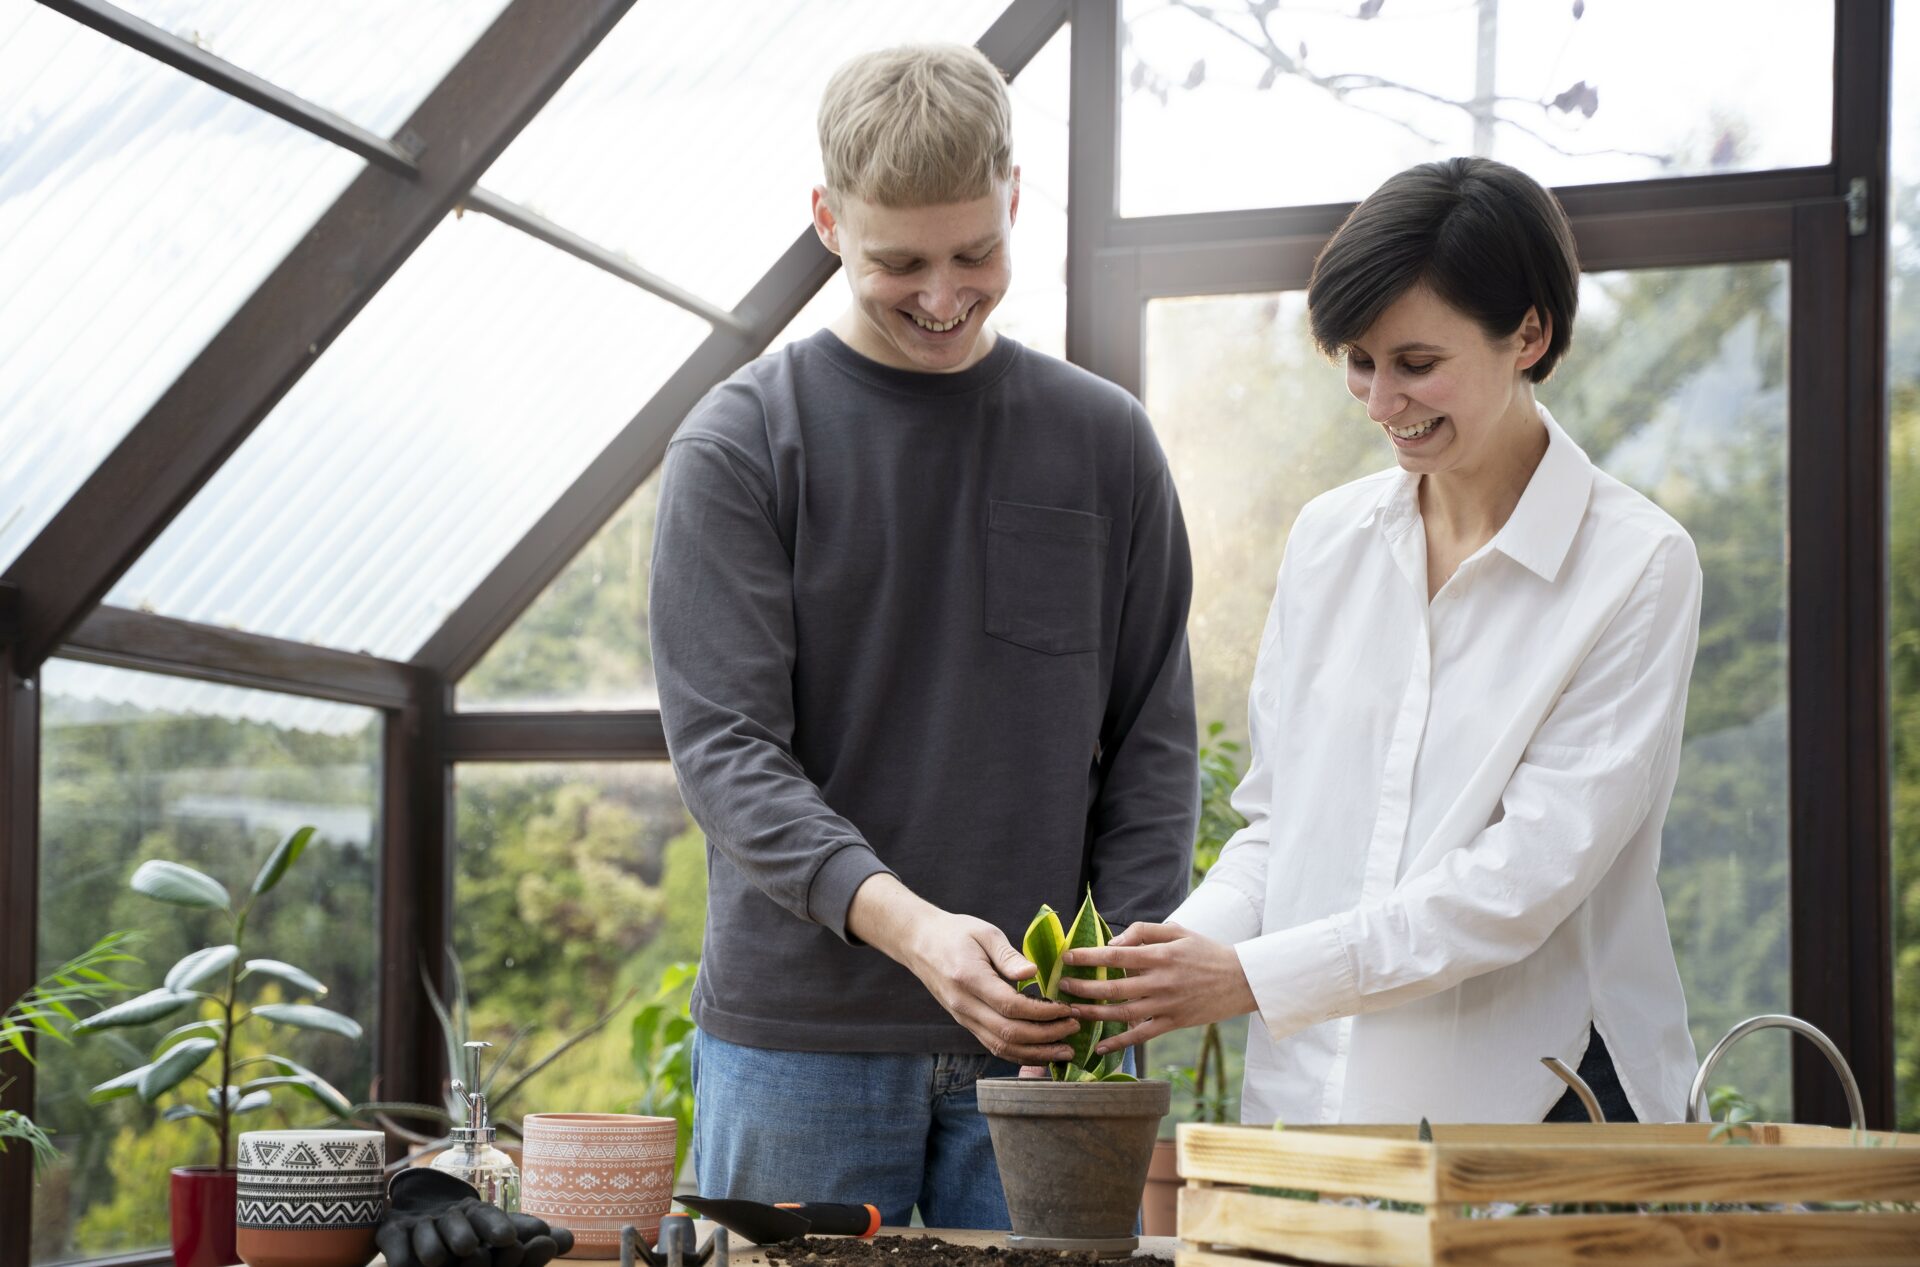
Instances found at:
x=931 y=1251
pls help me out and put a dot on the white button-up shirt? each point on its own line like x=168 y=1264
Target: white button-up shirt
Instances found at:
x=1450 y=863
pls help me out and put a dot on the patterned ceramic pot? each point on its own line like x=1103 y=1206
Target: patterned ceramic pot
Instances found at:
x=309 y=1198
x=595 y=1173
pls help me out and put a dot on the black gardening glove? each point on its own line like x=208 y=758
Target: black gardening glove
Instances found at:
x=436 y=1220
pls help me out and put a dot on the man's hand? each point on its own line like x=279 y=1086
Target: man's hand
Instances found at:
x=1175 y=979
x=966 y=964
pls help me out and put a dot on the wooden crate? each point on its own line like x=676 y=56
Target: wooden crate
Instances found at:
x=1434 y=1202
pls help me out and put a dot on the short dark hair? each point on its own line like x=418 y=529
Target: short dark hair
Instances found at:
x=1483 y=236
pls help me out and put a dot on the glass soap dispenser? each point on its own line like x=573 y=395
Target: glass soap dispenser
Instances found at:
x=472 y=1156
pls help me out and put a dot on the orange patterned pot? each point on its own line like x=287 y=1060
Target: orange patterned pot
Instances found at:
x=595 y=1173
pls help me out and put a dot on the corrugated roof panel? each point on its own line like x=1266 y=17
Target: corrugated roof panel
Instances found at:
x=426 y=441
x=687 y=139
x=371 y=61
x=138 y=209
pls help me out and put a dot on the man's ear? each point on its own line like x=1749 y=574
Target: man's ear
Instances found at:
x=1013 y=202
x=824 y=222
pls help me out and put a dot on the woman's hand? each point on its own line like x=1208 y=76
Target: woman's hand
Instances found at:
x=1175 y=979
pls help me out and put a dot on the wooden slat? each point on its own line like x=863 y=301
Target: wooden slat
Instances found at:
x=1705 y=1172
x=1353 y=1165
x=1624 y=1133
x=612 y=736
x=19 y=924
x=1750 y=1240
x=1305 y=1229
x=152 y=643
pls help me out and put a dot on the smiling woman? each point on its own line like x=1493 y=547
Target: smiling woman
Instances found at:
x=1509 y=622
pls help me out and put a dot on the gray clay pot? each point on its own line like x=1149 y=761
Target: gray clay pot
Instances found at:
x=1073 y=1157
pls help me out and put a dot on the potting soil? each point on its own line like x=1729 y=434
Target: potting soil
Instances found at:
x=929 y=1251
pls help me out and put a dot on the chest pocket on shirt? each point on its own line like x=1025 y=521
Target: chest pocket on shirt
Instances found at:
x=1044 y=571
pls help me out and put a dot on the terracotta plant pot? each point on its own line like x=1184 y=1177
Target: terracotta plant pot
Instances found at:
x=1073 y=1158
x=1160 y=1203
x=596 y=1173
x=200 y=1201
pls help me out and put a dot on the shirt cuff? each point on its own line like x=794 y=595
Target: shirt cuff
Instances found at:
x=831 y=892
x=1300 y=977
x=1220 y=911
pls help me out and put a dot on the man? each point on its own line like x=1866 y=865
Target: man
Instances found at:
x=919 y=605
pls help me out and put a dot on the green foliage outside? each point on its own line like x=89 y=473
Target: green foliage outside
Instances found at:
x=542 y=947
x=122 y=785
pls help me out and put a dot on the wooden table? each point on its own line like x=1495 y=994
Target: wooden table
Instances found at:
x=746 y=1255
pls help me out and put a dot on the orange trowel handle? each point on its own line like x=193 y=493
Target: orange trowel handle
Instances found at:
x=828 y=1219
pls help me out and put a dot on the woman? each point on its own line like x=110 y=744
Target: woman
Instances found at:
x=1466 y=720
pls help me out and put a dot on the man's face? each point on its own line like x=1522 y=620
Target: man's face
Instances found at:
x=924 y=279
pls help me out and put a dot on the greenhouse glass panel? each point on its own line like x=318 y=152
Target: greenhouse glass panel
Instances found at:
x=422 y=445
x=1903 y=598
x=577 y=887
x=583 y=644
x=686 y=141
x=371 y=61
x=137 y=767
x=1249 y=104
x=138 y=210
x=1676 y=385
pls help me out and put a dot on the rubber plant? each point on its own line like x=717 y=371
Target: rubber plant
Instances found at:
x=46 y=1010
x=215 y=974
x=1045 y=945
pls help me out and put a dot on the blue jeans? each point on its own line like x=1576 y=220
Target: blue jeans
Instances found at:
x=892 y=1131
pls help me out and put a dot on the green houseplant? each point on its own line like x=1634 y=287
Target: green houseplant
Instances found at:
x=1045 y=945
x=211 y=979
x=43 y=1011
x=663 y=1054
x=1073 y=1147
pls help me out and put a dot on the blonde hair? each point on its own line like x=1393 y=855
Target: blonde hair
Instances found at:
x=916 y=126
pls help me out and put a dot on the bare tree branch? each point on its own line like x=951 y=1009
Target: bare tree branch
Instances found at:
x=1343 y=87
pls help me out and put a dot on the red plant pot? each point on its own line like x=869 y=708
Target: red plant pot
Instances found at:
x=202 y=1201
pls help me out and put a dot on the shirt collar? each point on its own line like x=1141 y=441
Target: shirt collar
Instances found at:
x=1541 y=529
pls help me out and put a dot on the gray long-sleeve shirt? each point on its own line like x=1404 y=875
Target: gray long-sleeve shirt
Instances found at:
x=932 y=624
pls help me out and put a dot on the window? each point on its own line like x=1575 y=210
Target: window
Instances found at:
x=421 y=446
x=138 y=209
x=1677 y=385
x=1252 y=104
x=1903 y=599
x=574 y=884
x=135 y=767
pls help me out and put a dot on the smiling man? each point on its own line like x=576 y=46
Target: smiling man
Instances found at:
x=919 y=623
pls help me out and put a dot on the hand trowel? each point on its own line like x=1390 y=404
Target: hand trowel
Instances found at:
x=766 y=1224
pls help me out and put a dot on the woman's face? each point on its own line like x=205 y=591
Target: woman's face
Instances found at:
x=1446 y=396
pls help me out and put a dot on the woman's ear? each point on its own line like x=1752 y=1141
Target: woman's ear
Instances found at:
x=1536 y=335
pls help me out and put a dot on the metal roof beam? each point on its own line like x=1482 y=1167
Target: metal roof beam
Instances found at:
x=190 y=59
